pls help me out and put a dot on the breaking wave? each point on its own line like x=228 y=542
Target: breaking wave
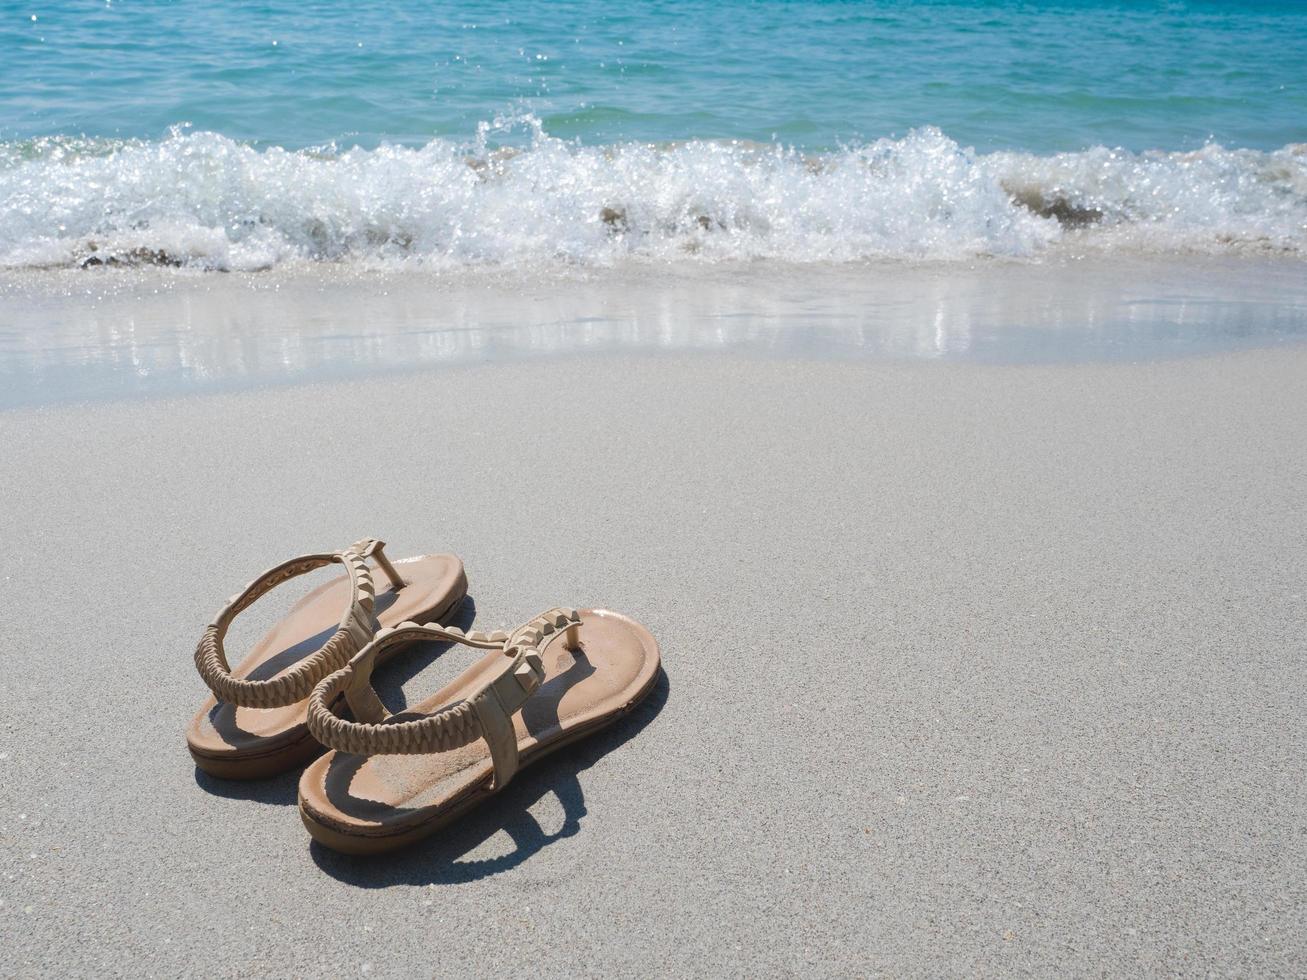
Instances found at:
x=201 y=199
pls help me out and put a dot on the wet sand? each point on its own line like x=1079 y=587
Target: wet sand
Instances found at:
x=76 y=335
x=970 y=668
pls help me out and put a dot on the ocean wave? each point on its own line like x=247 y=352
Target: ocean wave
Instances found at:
x=200 y=199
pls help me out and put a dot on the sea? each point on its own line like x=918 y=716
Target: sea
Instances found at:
x=245 y=136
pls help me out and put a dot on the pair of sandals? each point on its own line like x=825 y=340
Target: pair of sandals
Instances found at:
x=391 y=779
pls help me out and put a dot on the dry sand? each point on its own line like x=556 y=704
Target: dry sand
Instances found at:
x=969 y=669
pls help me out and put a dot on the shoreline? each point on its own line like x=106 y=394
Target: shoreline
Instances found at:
x=76 y=335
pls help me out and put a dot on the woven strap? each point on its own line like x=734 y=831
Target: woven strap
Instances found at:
x=354 y=631
x=485 y=713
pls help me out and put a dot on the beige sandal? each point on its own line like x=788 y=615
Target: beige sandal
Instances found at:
x=254 y=724
x=394 y=779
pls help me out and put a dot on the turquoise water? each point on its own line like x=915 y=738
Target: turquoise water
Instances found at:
x=245 y=135
x=1040 y=77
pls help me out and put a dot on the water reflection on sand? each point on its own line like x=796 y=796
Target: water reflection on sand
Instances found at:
x=111 y=333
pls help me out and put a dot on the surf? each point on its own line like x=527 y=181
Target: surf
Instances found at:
x=205 y=201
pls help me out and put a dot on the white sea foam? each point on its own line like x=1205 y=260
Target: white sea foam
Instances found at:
x=201 y=199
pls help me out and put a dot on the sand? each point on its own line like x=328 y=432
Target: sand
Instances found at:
x=969 y=669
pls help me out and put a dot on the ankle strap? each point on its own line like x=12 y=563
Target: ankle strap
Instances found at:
x=353 y=633
x=486 y=713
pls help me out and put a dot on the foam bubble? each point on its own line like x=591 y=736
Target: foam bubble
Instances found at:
x=201 y=199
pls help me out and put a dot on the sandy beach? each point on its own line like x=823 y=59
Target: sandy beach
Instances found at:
x=929 y=378
x=969 y=668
